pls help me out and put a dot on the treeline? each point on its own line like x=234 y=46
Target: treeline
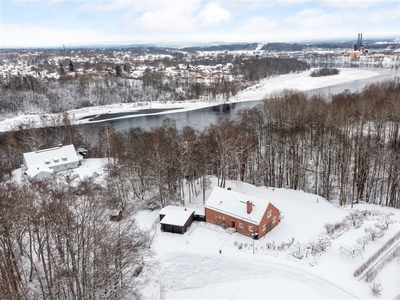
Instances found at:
x=56 y=242
x=34 y=94
x=346 y=149
x=229 y=47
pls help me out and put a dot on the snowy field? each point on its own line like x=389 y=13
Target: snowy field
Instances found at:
x=302 y=81
x=190 y=266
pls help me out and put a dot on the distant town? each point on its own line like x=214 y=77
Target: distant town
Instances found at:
x=199 y=63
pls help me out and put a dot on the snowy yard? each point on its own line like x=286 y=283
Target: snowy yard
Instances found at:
x=190 y=266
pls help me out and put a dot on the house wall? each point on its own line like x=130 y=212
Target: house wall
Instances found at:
x=219 y=218
x=267 y=223
x=64 y=167
x=241 y=226
x=188 y=223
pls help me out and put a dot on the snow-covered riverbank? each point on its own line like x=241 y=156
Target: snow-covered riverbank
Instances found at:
x=301 y=81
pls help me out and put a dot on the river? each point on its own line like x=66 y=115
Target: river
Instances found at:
x=203 y=117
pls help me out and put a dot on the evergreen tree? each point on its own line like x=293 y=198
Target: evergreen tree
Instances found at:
x=71 y=66
x=62 y=70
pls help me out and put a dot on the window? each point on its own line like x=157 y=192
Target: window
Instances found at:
x=250 y=228
x=264 y=227
x=219 y=216
x=223 y=218
x=240 y=225
x=273 y=220
x=269 y=214
x=216 y=216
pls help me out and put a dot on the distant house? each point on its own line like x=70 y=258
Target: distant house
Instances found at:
x=248 y=215
x=44 y=163
x=176 y=219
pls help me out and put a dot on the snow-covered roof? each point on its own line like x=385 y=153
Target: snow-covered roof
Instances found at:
x=175 y=215
x=49 y=158
x=235 y=204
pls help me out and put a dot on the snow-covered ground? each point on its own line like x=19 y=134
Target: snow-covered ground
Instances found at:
x=301 y=81
x=190 y=266
x=208 y=262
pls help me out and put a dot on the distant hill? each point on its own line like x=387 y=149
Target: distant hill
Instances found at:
x=229 y=47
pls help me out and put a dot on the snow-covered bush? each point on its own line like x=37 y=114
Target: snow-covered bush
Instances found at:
x=376 y=288
x=348 y=251
x=363 y=241
x=335 y=228
x=371 y=274
x=365 y=265
x=384 y=222
x=319 y=246
x=355 y=219
x=271 y=246
x=374 y=233
x=300 y=251
x=284 y=245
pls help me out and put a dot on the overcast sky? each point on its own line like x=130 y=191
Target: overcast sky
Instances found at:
x=43 y=23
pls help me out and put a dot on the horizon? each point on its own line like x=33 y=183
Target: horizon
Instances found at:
x=85 y=23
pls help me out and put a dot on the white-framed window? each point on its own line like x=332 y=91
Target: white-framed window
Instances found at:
x=251 y=228
x=264 y=227
x=223 y=218
x=219 y=216
x=273 y=220
x=216 y=216
x=269 y=214
x=240 y=225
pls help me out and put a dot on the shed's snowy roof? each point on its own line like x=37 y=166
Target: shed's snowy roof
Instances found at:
x=48 y=158
x=235 y=204
x=175 y=215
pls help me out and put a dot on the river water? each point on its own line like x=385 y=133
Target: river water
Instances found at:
x=201 y=118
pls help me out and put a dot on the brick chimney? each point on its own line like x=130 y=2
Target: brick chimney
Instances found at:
x=249 y=206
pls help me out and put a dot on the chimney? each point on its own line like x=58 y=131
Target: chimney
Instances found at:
x=249 y=206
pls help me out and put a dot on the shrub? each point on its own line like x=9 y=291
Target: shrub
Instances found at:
x=376 y=288
x=365 y=265
x=324 y=72
x=352 y=252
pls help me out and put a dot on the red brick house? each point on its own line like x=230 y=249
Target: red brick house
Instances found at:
x=246 y=214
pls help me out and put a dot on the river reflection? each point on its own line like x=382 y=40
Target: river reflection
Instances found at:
x=203 y=117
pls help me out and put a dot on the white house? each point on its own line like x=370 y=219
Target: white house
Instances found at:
x=40 y=164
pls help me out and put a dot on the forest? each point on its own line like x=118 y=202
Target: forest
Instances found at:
x=345 y=149
x=102 y=82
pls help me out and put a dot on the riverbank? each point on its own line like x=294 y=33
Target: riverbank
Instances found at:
x=265 y=88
